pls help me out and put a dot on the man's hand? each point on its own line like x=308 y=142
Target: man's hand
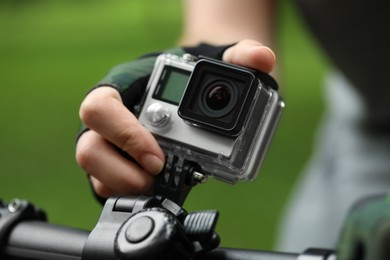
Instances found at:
x=113 y=126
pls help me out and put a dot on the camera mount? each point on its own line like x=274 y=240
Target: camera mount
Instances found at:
x=177 y=178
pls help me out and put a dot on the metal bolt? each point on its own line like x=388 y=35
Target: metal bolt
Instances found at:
x=14 y=205
x=199 y=177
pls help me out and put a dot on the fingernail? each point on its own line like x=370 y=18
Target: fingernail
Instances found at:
x=152 y=163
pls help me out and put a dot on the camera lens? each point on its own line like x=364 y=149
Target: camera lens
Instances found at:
x=218 y=98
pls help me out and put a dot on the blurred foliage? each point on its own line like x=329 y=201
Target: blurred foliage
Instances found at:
x=52 y=52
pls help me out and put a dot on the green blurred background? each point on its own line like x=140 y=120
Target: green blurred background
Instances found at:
x=52 y=52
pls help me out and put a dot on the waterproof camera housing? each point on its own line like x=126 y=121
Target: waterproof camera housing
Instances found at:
x=219 y=115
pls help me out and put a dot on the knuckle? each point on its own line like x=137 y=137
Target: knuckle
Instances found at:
x=96 y=102
x=89 y=108
x=85 y=154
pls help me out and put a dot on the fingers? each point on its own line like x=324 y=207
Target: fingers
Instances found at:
x=111 y=174
x=103 y=111
x=251 y=54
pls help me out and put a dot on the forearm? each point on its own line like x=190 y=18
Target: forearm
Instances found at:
x=228 y=21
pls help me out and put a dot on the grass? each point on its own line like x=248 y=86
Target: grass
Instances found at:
x=52 y=52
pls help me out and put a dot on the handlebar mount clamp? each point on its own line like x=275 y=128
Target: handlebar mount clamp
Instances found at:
x=150 y=228
x=15 y=211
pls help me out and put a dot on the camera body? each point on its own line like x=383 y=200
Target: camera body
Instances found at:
x=218 y=115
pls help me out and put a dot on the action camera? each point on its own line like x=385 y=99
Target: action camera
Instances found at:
x=219 y=115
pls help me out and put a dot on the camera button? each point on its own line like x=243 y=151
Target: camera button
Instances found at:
x=157 y=114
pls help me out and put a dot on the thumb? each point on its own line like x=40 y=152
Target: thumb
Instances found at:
x=251 y=54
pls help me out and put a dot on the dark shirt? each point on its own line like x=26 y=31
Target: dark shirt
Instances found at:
x=354 y=34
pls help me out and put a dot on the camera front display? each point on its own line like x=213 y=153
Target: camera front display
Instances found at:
x=218 y=115
x=172 y=84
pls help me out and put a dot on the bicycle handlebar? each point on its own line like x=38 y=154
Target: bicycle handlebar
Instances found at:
x=41 y=240
x=25 y=234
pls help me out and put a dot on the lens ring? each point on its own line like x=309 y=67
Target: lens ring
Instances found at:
x=218 y=98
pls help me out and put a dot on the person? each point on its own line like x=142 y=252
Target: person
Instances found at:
x=353 y=148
